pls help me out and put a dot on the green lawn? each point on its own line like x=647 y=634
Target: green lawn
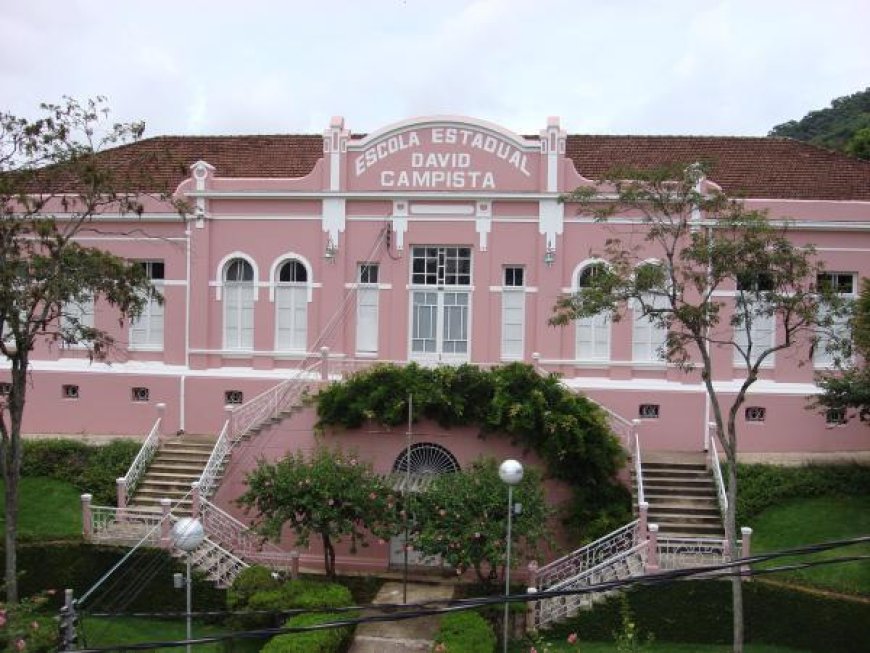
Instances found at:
x=48 y=509
x=560 y=646
x=801 y=521
x=131 y=630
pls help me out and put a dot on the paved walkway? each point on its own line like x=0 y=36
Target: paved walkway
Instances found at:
x=407 y=634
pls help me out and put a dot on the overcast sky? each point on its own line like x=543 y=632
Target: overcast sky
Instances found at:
x=604 y=66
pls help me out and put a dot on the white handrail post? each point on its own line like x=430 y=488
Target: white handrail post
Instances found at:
x=324 y=363
x=87 y=516
x=652 y=554
x=536 y=361
x=121 y=483
x=745 y=548
x=165 y=525
x=161 y=413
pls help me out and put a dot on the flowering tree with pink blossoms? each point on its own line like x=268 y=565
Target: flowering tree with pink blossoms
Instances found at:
x=328 y=494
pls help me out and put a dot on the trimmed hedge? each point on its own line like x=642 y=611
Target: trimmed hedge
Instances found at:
x=307 y=595
x=763 y=486
x=78 y=566
x=700 y=612
x=256 y=590
x=91 y=468
x=465 y=632
x=327 y=640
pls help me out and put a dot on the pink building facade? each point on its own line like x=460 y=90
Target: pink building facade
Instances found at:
x=439 y=240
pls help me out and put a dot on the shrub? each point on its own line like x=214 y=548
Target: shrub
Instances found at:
x=465 y=632
x=327 y=640
x=90 y=468
x=762 y=486
x=250 y=581
x=309 y=594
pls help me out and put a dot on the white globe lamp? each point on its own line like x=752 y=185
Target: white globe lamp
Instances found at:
x=511 y=473
x=187 y=534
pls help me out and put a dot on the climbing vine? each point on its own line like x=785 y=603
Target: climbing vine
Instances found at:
x=566 y=430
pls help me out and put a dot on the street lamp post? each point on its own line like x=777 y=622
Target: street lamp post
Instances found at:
x=187 y=534
x=511 y=473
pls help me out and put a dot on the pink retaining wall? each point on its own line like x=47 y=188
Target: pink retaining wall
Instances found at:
x=378 y=447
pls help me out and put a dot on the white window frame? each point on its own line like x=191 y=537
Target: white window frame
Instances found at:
x=152 y=313
x=823 y=359
x=297 y=294
x=367 y=309
x=513 y=302
x=598 y=326
x=441 y=289
x=245 y=304
x=83 y=311
x=762 y=330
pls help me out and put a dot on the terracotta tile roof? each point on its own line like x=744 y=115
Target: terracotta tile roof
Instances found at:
x=751 y=167
x=167 y=159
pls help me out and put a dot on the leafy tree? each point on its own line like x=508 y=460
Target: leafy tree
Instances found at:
x=832 y=127
x=329 y=494
x=53 y=181
x=859 y=144
x=704 y=243
x=462 y=518
x=849 y=388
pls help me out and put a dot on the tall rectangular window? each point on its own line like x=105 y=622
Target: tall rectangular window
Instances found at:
x=367 y=309
x=77 y=314
x=146 y=332
x=513 y=313
x=648 y=337
x=843 y=284
x=440 y=303
x=755 y=329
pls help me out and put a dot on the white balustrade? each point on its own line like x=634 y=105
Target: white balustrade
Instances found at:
x=237 y=537
x=591 y=555
x=717 y=475
x=143 y=459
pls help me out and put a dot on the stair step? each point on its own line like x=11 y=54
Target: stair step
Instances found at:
x=694 y=492
x=674 y=473
x=689 y=510
x=670 y=481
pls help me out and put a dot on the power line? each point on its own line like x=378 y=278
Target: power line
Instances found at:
x=399 y=612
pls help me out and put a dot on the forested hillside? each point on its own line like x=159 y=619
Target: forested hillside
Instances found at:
x=845 y=125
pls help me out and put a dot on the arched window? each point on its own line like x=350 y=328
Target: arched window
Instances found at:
x=291 y=307
x=425 y=458
x=593 y=333
x=238 y=297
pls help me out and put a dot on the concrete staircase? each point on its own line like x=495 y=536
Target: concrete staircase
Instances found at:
x=178 y=463
x=681 y=494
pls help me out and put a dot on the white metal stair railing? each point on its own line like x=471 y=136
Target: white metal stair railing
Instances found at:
x=592 y=555
x=112 y=525
x=686 y=552
x=626 y=564
x=717 y=475
x=638 y=471
x=143 y=459
x=270 y=404
x=219 y=565
x=235 y=536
